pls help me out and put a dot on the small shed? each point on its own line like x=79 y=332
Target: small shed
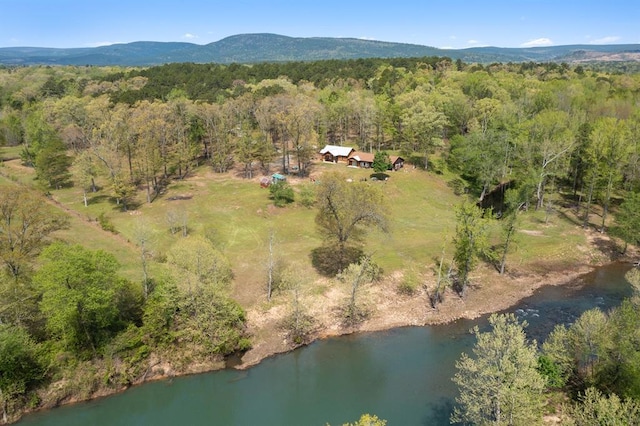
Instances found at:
x=277 y=177
x=265 y=182
x=396 y=162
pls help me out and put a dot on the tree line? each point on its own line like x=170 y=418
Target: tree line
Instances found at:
x=548 y=128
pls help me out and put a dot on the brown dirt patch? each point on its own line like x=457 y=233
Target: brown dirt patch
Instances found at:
x=489 y=292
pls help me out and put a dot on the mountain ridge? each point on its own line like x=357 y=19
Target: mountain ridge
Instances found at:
x=267 y=47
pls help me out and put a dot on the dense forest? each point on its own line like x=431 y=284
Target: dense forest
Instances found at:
x=514 y=137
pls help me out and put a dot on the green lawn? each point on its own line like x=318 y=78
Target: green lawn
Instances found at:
x=240 y=217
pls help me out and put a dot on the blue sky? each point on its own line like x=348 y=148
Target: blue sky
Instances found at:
x=439 y=23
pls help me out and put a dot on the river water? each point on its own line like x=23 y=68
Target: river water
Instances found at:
x=402 y=375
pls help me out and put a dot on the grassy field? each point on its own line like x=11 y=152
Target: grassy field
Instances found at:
x=239 y=216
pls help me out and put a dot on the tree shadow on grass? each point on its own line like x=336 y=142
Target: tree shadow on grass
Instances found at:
x=327 y=260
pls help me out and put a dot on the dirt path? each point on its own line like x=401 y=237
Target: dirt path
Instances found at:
x=55 y=203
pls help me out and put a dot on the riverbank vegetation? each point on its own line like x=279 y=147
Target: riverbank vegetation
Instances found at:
x=137 y=241
x=593 y=360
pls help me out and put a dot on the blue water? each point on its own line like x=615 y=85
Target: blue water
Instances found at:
x=402 y=375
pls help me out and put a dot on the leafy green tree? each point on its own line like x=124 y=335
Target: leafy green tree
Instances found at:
x=86 y=173
x=38 y=133
x=594 y=408
x=627 y=218
x=381 y=162
x=610 y=136
x=469 y=242
x=368 y=420
x=578 y=351
x=501 y=384
x=346 y=210
x=11 y=131
x=619 y=365
x=208 y=317
x=199 y=262
x=217 y=323
x=84 y=301
x=423 y=124
x=482 y=158
x=549 y=140
x=26 y=222
x=52 y=164
x=20 y=367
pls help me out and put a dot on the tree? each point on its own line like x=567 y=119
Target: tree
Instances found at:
x=357 y=275
x=501 y=383
x=423 y=124
x=209 y=318
x=199 y=263
x=26 y=222
x=20 y=367
x=86 y=173
x=144 y=235
x=627 y=225
x=610 y=137
x=271 y=266
x=577 y=351
x=177 y=219
x=482 y=158
x=381 y=162
x=469 y=242
x=594 y=408
x=514 y=200
x=346 y=209
x=52 y=164
x=368 y=420
x=297 y=323
x=619 y=370
x=84 y=301
x=549 y=141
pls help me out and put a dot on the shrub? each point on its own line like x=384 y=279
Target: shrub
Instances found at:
x=105 y=223
x=409 y=283
x=307 y=196
x=281 y=194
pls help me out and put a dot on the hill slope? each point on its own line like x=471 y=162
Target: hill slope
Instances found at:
x=251 y=48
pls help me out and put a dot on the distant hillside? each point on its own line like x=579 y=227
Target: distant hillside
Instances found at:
x=252 y=48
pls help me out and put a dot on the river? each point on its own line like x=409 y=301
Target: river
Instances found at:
x=401 y=375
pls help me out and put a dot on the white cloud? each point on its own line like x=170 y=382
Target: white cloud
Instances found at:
x=473 y=41
x=446 y=47
x=538 y=42
x=453 y=37
x=366 y=38
x=605 y=40
x=189 y=36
